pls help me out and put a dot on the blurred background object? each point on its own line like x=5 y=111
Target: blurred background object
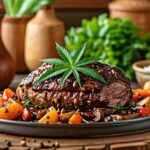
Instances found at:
x=13 y=36
x=18 y=13
x=41 y=34
x=138 y=10
x=142 y=71
x=7 y=67
x=117 y=41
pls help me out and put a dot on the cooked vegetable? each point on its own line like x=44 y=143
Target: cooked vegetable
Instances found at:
x=75 y=119
x=8 y=93
x=135 y=97
x=144 y=102
x=50 y=117
x=142 y=93
x=117 y=41
x=2 y=101
x=130 y=116
x=41 y=113
x=147 y=86
x=26 y=115
x=144 y=112
x=19 y=8
x=11 y=111
x=66 y=116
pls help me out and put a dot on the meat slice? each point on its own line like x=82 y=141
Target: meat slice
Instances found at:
x=92 y=93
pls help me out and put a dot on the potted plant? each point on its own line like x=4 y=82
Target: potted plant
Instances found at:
x=13 y=28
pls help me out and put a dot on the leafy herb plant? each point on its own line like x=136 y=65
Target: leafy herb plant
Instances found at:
x=70 y=65
x=116 y=40
x=19 y=8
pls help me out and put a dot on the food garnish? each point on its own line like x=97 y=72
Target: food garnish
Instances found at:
x=28 y=103
x=69 y=65
x=119 y=107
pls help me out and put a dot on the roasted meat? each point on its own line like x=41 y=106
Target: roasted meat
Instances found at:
x=92 y=93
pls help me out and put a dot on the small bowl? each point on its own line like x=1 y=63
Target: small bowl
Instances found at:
x=141 y=74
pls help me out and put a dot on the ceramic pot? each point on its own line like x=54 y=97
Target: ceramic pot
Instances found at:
x=13 y=37
x=42 y=32
x=7 y=67
x=138 y=10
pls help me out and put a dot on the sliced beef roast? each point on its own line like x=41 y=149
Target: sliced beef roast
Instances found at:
x=92 y=93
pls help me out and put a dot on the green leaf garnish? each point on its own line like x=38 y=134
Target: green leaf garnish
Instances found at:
x=70 y=65
x=119 y=107
x=28 y=103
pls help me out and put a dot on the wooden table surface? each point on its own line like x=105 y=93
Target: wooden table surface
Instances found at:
x=135 y=141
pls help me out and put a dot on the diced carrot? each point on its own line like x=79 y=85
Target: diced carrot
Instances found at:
x=50 y=117
x=8 y=93
x=142 y=93
x=11 y=111
x=2 y=101
x=75 y=119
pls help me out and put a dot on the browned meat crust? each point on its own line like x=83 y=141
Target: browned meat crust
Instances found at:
x=71 y=96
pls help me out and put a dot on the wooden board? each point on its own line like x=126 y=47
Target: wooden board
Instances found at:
x=79 y=4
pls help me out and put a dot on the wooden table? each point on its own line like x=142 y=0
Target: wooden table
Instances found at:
x=135 y=141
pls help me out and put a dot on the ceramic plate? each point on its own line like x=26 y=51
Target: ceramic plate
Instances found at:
x=68 y=130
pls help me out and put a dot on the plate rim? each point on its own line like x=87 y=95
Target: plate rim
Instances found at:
x=98 y=124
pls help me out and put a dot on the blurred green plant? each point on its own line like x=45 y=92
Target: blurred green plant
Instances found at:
x=117 y=41
x=20 y=8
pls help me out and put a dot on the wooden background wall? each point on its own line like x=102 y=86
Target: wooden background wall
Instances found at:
x=72 y=11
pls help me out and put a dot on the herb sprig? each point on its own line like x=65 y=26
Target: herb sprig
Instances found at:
x=119 y=107
x=69 y=65
x=28 y=103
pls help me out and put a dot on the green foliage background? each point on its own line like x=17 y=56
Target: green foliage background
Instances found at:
x=116 y=41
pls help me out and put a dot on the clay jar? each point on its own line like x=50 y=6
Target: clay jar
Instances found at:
x=41 y=34
x=138 y=10
x=13 y=37
x=7 y=68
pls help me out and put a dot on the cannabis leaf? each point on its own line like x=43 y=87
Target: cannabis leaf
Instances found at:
x=69 y=65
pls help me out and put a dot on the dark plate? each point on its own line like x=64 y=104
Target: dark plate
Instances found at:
x=68 y=130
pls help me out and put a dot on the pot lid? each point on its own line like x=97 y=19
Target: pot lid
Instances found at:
x=131 y=5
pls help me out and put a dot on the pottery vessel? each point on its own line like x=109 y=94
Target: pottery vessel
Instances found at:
x=42 y=32
x=7 y=67
x=138 y=10
x=13 y=37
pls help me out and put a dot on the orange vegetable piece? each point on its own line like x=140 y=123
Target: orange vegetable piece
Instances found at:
x=75 y=119
x=141 y=92
x=2 y=100
x=11 y=111
x=50 y=117
x=8 y=93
